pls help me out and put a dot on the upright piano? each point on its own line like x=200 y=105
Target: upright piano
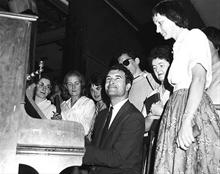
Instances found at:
x=48 y=146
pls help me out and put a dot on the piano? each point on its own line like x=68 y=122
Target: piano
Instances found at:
x=48 y=146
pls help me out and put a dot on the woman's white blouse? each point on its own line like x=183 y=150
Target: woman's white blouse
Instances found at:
x=190 y=48
x=82 y=112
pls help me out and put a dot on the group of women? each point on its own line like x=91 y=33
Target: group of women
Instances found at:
x=75 y=106
x=189 y=135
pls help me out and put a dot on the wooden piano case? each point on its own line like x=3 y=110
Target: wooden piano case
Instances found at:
x=48 y=146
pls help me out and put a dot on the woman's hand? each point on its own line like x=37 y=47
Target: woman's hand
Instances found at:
x=185 y=135
x=197 y=86
x=156 y=109
x=56 y=116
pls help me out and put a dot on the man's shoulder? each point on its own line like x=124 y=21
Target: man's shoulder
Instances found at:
x=131 y=109
x=132 y=116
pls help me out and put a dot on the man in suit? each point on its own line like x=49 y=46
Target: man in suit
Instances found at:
x=118 y=150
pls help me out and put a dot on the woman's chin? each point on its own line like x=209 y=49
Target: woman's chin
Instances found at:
x=75 y=94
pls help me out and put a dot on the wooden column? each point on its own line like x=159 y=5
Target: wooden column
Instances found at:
x=14 y=52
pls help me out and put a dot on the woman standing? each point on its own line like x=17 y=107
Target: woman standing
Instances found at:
x=78 y=108
x=160 y=59
x=188 y=140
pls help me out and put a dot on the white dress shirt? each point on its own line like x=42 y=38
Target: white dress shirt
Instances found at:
x=115 y=110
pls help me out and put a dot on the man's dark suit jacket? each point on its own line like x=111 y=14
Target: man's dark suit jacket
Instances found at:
x=121 y=150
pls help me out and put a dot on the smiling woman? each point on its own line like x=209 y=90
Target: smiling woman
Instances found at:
x=41 y=93
x=160 y=59
x=37 y=103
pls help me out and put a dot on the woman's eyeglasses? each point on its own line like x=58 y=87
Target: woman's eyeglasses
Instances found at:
x=126 y=62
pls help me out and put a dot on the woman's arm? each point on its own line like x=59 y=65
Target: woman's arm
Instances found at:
x=88 y=114
x=185 y=136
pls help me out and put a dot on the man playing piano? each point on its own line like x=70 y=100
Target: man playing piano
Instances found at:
x=117 y=139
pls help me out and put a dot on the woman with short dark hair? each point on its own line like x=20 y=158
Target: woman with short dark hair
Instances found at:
x=159 y=59
x=42 y=91
x=188 y=139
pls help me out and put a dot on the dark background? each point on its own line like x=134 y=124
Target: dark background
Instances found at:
x=88 y=35
x=98 y=30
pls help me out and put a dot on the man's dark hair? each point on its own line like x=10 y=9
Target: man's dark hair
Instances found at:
x=129 y=52
x=128 y=75
x=133 y=55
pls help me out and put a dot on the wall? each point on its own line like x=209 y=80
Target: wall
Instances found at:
x=52 y=54
x=209 y=11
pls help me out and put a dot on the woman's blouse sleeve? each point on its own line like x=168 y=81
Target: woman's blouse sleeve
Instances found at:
x=200 y=54
x=88 y=114
x=191 y=49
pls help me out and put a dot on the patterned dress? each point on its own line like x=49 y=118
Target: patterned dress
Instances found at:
x=203 y=156
x=214 y=89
